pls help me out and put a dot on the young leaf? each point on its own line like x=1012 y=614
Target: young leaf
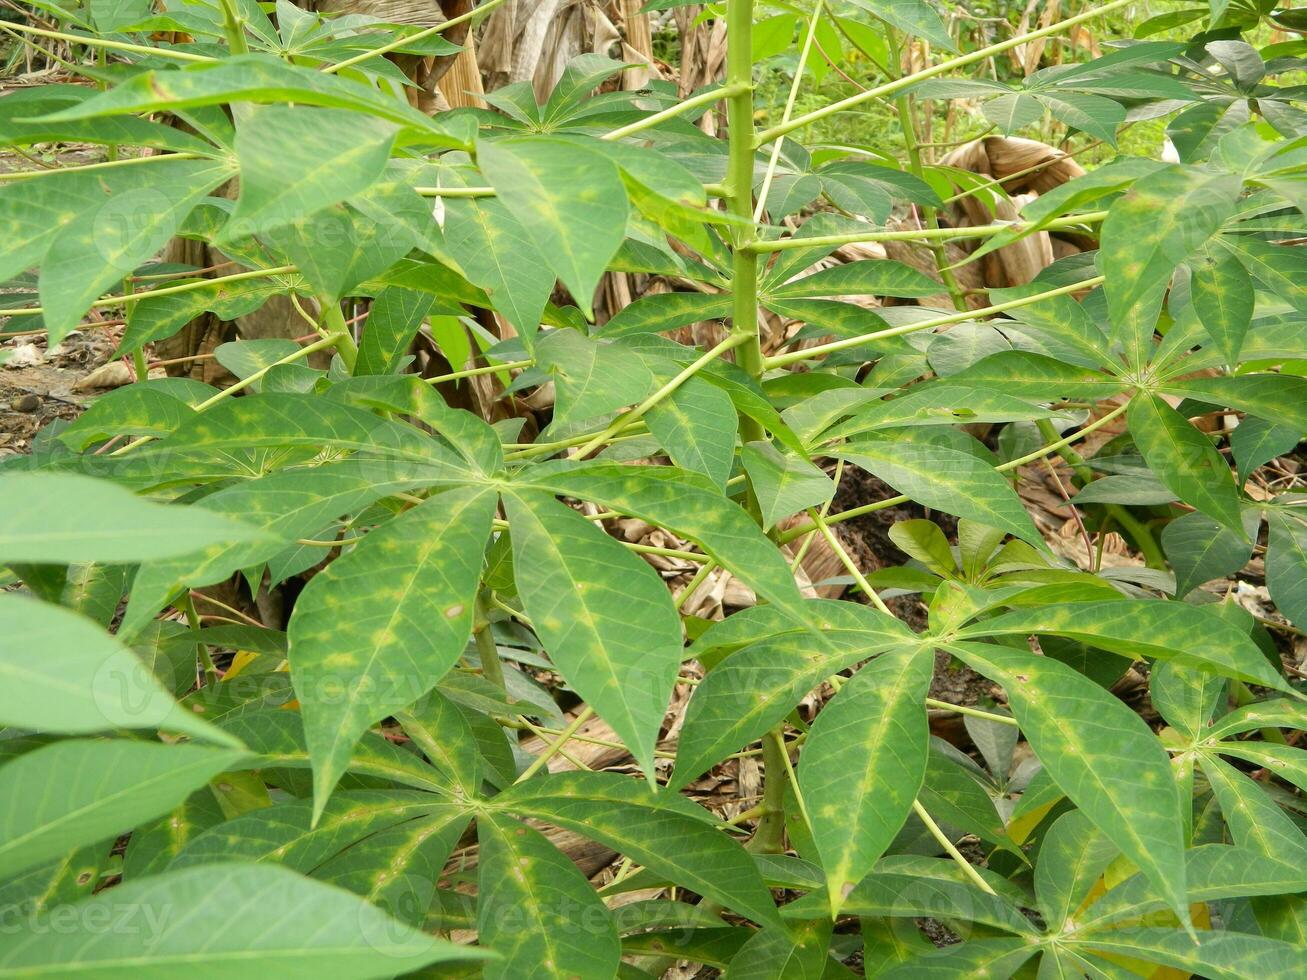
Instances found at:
x=69 y=518
x=605 y=617
x=864 y=763
x=304 y=930
x=61 y=673
x=80 y=791
x=536 y=909
x=378 y=628
x=1101 y=754
x=571 y=201
x=1184 y=459
x=784 y=484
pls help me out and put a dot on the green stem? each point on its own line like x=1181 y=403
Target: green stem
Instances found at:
x=342 y=339
x=185 y=287
x=949 y=847
x=672 y=111
x=904 y=105
x=477 y=372
x=99 y=42
x=769 y=836
x=944 y=67
x=491 y=667
x=781 y=360
x=233 y=26
x=930 y=234
x=187 y=606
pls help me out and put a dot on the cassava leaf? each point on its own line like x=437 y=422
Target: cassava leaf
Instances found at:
x=864 y=763
x=1159 y=223
x=69 y=518
x=102 y=789
x=62 y=673
x=1184 y=459
x=378 y=628
x=536 y=909
x=569 y=198
x=304 y=930
x=1193 y=635
x=603 y=615
x=946 y=479
x=1084 y=737
x=297 y=160
x=669 y=835
x=697 y=426
x=784 y=484
x=757 y=686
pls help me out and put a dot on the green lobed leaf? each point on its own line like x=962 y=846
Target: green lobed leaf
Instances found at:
x=945 y=479
x=495 y=251
x=1195 y=636
x=79 y=791
x=687 y=505
x=303 y=930
x=603 y=615
x=1184 y=459
x=754 y=688
x=62 y=673
x=381 y=625
x=536 y=909
x=296 y=160
x=1160 y=222
x=286 y=834
x=571 y=201
x=1101 y=754
x=784 y=484
x=864 y=763
x=697 y=426
x=1286 y=566
x=283 y=506
x=882 y=277
x=1219 y=955
x=258 y=78
x=68 y=518
x=1201 y=549
x=667 y=834
x=1223 y=297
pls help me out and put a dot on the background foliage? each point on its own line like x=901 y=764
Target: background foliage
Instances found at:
x=353 y=796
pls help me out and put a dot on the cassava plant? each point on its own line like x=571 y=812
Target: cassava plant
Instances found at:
x=371 y=791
